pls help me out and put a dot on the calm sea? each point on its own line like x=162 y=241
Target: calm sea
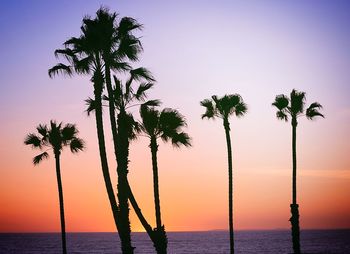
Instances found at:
x=211 y=242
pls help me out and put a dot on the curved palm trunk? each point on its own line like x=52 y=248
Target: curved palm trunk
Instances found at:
x=294 y=207
x=60 y=195
x=162 y=241
x=230 y=183
x=122 y=145
x=103 y=155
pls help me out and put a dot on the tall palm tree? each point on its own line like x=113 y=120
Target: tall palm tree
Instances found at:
x=223 y=108
x=166 y=125
x=293 y=107
x=116 y=43
x=125 y=97
x=83 y=55
x=55 y=138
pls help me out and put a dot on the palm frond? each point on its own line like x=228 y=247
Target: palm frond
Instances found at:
x=181 y=138
x=210 y=111
x=141 y=90
x=281 y=102
x=142 y=74
x=68 y=132
x=151 y=103
x=43 y=131
x=150 y=119
x=76 y=145
x=60 y=69
x=67 y=53
x=127 y=25
x=130 y=47
x=241 y=109
x=281 y=115
x=313 y=111
x=37 y=159
x=91 y=106
x=33 y=140
x=297 y=102
x=119 y=66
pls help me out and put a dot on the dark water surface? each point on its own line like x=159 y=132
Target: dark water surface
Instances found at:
x=211 y=242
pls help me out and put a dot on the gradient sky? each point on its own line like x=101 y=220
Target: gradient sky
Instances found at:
x=195 y=49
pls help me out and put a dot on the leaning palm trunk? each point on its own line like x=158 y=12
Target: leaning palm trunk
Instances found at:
x=294 y=207
x=60 y=195
x=122 y=145
x=161 y=237
x=103 y=155
x=230 y=183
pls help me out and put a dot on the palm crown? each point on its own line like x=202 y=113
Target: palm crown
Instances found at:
x=165 y=124
x=101 y=40
x=295 y=106
x=54 y=137
x=224 y=107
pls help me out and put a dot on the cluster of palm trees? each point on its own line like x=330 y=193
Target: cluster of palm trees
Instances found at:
x=105 y=50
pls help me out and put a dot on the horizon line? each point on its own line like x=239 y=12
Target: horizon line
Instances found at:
x=173 y=231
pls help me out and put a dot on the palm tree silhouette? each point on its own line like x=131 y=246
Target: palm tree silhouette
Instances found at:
x=125 y=97
x=166 y=125
x=56 y=137
x=294 y=107
x=223 y=108
x=117 y=44
x=83 y=55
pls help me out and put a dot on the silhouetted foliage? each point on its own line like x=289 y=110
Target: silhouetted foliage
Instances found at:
x=294 y=107
x=223 y=108
x=55 y=138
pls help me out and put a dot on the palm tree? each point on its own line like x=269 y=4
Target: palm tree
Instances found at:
x=84 y=57
x=223 y=108
x=294 y=107
x=166 y=125
x=125 y=97
x=56 y=137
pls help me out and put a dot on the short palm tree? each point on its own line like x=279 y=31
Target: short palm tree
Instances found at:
x=55 y=138
x=166 y=125
x=223 y=108
x=294 y=107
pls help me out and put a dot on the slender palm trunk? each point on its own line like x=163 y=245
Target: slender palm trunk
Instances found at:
x=162 y=241
x=123 y=188
x=103 y=155
x=230 y=183
x=113 y=121
x=294 y=207
x=125 y=230
x=60 y=195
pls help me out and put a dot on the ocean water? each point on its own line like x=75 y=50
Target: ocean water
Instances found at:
x=210 y=242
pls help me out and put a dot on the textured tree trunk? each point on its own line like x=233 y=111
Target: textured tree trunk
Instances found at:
x=60 y=195
x=294 y=207
x=123 y=187
x=162 y=241
x=103 y=155
x=230 y=183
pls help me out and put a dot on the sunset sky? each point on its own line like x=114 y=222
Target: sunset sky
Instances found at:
x=195 y=49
